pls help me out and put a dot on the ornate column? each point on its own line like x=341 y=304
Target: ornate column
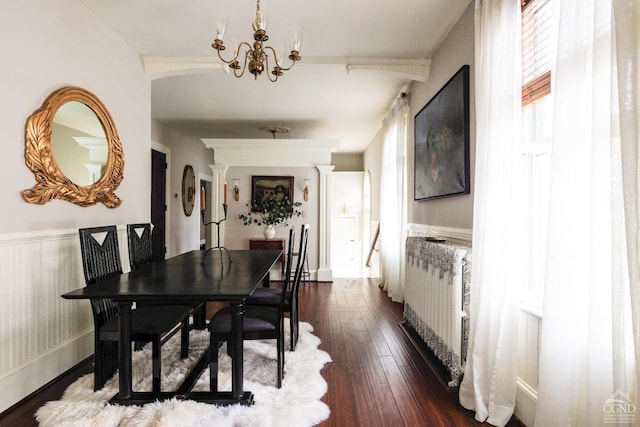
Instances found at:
x=324 y=232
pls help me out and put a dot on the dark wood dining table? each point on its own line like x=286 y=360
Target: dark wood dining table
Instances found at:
x=187 y=277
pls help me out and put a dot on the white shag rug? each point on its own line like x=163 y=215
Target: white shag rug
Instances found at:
x=297 y=403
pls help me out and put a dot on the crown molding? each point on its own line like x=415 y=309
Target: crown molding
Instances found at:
x=272 y=152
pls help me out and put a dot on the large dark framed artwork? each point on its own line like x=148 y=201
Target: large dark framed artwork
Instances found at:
x=264 y=188
x=441 y=141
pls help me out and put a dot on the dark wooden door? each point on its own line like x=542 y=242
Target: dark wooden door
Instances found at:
x=158 y=203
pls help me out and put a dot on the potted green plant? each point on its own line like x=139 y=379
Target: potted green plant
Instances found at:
x=272 y=212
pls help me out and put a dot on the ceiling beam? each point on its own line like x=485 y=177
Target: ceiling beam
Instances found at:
x=166 y=66
x=272 y=152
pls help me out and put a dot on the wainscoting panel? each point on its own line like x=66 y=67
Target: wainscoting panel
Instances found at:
x=41 y=334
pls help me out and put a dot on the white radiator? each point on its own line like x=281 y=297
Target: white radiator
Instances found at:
x=436 y=303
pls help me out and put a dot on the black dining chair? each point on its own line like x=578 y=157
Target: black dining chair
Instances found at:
x=259 y=322
x=141 y=254
x=101 y=261
x=270 y=297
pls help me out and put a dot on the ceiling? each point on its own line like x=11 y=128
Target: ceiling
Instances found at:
x=385 y=45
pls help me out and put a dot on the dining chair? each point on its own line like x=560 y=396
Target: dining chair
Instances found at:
x=100 y=261
x=259 y=323
x=141 y=254
x=270 y=297
x=306 y=273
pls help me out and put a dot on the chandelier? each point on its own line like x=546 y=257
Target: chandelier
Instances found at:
x=257 y=56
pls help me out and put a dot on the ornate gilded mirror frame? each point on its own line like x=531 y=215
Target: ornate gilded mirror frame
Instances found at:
x=51 y=181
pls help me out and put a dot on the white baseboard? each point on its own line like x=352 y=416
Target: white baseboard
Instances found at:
x=526 y=401
x=23 y=381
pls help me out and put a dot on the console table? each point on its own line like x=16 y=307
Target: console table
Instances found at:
x=276 y=243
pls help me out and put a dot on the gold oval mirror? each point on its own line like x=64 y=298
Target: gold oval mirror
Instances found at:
x=73 y=149
x=79 y=144
x=188 y=190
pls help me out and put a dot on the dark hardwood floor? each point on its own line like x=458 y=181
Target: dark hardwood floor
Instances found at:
x=377 y=377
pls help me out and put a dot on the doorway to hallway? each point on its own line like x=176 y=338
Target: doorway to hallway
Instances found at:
x=347 y=224
x=158 y=204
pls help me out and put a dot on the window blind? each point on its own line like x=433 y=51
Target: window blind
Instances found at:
x=536 y=50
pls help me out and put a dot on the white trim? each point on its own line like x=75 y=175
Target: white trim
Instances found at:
x=526 y=401
x=7 y=239
x=212 y=231
x=46 y=367
x=463 y=234
x=25 y=237
x=531 y=304
x=325 y=274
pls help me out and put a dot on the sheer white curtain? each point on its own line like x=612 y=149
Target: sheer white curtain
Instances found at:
x=393 y=200
x=489 y=383
x=589 y=345
x=627 y=24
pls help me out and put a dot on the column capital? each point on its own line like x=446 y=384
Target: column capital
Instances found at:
x=219 y=168
x=325 y=169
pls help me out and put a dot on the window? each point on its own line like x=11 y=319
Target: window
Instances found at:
x=537 y=108
x=536 y=50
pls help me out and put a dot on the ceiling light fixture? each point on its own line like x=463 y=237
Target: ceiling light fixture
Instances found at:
x=256 y=58
x=275 y=130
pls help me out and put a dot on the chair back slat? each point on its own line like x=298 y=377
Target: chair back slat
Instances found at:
x=139 y=242
x=297 y=276
x=289 y=260
x=99 y=262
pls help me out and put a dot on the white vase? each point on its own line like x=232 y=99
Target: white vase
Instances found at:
x=269 y=231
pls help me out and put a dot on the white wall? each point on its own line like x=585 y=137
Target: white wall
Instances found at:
x=46 y=45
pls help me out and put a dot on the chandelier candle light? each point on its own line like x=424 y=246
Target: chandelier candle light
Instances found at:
x=256 y=56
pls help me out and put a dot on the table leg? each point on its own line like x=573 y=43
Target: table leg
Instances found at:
x=282 y=262
x=266 y=282
x=237 y=344
x=124 y=320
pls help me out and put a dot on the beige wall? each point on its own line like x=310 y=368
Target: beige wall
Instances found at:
x=456 y=51
x=372 y=166
x=49 y=45
x=347 y=162
x=455 y=211
x=237 y=234
x=184 y=232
